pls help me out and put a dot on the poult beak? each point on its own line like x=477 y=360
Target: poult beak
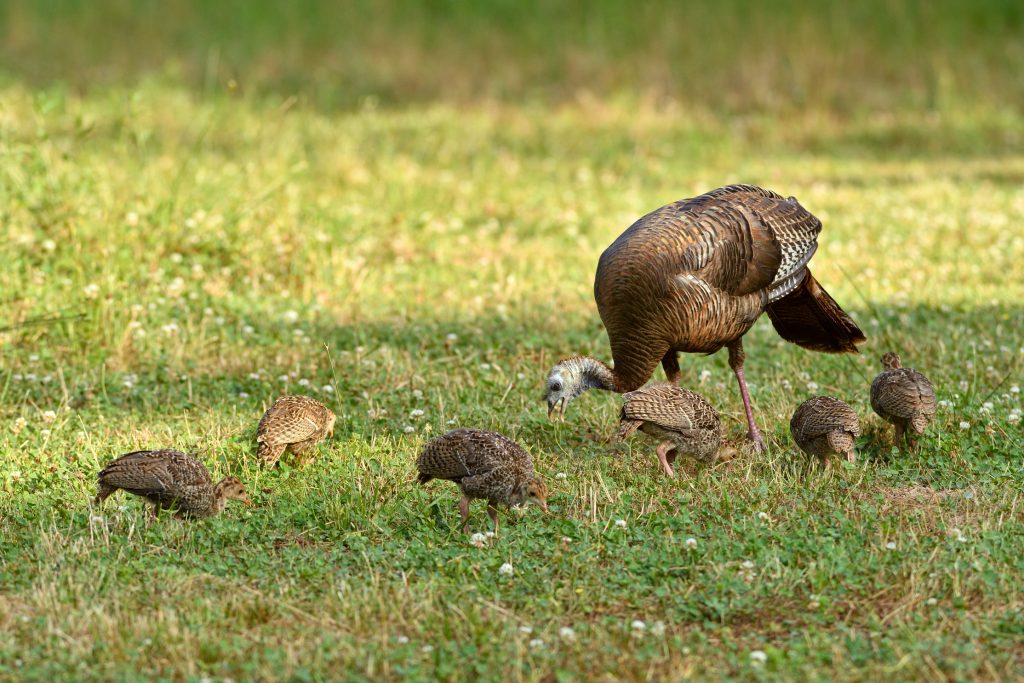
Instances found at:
x=544 y=505
x=247 y=501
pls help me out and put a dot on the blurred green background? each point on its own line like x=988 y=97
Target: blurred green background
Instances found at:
x=725 y=56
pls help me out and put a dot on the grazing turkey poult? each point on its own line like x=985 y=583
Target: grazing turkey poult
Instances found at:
x=682 y=420
x=824 y=426
x=485 y=465
x=694 y=276
x=295 y=424
x=169 y=479
x=903 y=396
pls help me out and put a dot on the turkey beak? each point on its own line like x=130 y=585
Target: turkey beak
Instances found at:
x=556 y=410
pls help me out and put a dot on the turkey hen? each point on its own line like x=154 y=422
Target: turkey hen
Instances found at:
x=693 y=277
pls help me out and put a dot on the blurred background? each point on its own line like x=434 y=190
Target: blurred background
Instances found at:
x=729 y=56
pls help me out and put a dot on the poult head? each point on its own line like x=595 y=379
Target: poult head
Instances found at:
x=564 y=383
x=233 y=488
x=533 y=492
x=891 y=361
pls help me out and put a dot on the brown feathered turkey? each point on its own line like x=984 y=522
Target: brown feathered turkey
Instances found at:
x=824 y=426
x=904 y=397
x=485 y=465
x=694 y=276
x=295 y=424
x=682 y=420
x=169 y=479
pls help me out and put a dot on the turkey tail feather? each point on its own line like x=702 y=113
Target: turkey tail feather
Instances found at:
x=810 y=318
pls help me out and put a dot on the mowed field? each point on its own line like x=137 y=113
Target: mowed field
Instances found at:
x=172 y=265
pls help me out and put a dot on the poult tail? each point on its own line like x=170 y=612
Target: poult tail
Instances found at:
x=810 y=318
x=424 y=477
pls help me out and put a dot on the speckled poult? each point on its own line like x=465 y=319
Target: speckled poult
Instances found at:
x=681 y=419
x=485 y=465
x=693 y=277
x=169 y=479
x=904 y=397
x=824 y=426
x=294 y=424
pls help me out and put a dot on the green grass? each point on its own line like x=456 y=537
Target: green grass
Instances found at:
x=204 y=254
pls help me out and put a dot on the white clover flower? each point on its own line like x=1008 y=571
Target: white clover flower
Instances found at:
x=401 y=640
x=931 y=601
x=243 y=394
x=786 y=384
x=536 y=643
x=945 y=404
x=417 y=393
x=566 y=540
x=763 y=516
x=691 y=543
x=1013 y=417
x=19 y=424
x=452 y=421
x=44 y=433
x=567 y=633
x=254 y=375
x=705 y=375
x=282 y=378
x=248 y=329
x=1014 y=389
x=891 y=545
x=360 y=350
x=219 y=321
x=621 y=523
x=30 y=377
x=490 y=534
x=747 y=564
x=415 y=413
x=964 y=385
x=15 y=475
x=17 y=377
x=986 y=407
x=91 y=291
x=49 y=416
x=812 y=386
x=298 y=333
x=97 y=519
x=965 y=425
x=478 y=539
x=49 y=245
x=427 y=649
x=758 y=657
x=561 y=475
x=408 y=429
x=804 y=377
x=170 y=329
x=526 y=630
x=638 y=625
x=506 y=569
x=33 y=358
x=131 y=218
x=658 y=628
x=451 y=338
x=327 y=389
x=303 y=382
x=290 y=316
x=485 y=366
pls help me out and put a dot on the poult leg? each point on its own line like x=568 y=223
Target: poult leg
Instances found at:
x=901 y=435
x=662 y=451
x=464 y=510
x=736 y=357
x=492 y=510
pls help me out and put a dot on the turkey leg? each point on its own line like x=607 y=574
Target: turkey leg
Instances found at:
x=736 y=357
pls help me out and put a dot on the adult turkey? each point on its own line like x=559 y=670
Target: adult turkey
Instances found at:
x=694 y=276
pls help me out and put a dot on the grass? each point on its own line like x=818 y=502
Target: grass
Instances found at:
x=173 y=262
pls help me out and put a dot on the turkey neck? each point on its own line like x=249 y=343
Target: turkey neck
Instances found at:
x=594 y=374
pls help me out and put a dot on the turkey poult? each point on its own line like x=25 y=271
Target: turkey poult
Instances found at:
x=485 y=465
x=694 y=276
x=295 y=424
x=169 y=479
x=682 y=420
x=904 y=397
x=824 y=426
